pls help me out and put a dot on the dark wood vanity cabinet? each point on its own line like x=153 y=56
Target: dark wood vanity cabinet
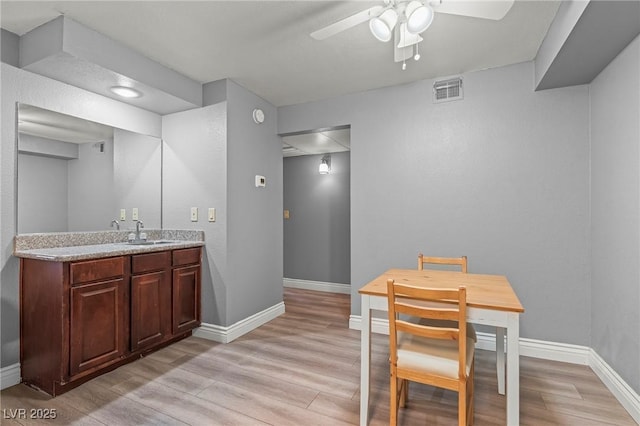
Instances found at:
x=186 y=290
x=150 y=299
x=98 y=313
x=81 y=319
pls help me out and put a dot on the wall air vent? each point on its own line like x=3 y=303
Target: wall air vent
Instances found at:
x=447 y=90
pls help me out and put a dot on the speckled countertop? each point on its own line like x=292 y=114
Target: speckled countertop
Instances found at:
x=71 y=246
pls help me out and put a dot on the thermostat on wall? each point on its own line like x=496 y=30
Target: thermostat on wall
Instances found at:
x=260 y=181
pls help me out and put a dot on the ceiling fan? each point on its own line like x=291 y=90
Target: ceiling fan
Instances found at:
x=405 y=20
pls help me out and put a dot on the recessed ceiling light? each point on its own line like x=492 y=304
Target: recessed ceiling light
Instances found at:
x=125 y=92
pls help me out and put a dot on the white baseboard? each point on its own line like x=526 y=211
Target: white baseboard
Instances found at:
x=563 y=352
x=378 y=325
x=629 y=398
x=9 y=375
x=228 y=334
x=317 y=285
x=554 y=351
x=486 y=341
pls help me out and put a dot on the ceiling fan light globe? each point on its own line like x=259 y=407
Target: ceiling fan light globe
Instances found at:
x=419 y=17
x=382 y=26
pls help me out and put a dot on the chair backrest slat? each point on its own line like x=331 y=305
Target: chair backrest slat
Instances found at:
x=416 y=310
x=441 y=333
x=421 y=293
x=414 y=301
x=460 y=261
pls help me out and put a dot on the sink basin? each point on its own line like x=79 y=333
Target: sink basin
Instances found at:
x=148 y=242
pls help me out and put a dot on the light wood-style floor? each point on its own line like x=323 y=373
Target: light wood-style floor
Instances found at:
x=303 y=368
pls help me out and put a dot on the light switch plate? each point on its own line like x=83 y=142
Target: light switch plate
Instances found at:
x=123 y=214
x=261 y=181
x=134 y=214
x=286 y=214
x=194 y=214
x=212 y=214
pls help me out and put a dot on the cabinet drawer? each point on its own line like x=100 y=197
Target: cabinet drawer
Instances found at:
x=92 y=270
x=188 y=256
x=150 y=262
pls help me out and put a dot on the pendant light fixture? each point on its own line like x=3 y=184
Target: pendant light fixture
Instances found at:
x=325 y=165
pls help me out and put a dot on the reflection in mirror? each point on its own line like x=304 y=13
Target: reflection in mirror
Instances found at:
x=77 y=175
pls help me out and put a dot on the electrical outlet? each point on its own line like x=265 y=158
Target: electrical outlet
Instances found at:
x=123 y=214
x=134 y=214
x=194 y=214
x=212 y=214
x=286 y=214
x=261 y=181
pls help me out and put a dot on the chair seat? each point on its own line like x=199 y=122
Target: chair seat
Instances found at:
x=432 y=356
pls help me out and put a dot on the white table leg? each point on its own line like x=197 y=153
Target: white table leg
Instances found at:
x=365 y=358
x=500 y=358
x=513 y=369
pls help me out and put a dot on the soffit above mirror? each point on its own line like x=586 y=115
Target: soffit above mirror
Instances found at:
x=61 y=127
x=67 y=51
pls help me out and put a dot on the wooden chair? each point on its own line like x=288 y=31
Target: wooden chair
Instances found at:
x=436 y=356
x=454 y=261
x=461 y=261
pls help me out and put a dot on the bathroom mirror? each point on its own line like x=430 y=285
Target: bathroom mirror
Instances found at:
x=78 y=175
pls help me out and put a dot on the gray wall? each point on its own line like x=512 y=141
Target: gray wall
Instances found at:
x=42 y=194
x=501 y=176
x=254 y=214
x=317 y=243
x=211 y=157
x=615 y=214
x=194 y=172
x=137 y=177
x=91 y=192
x=32 y=89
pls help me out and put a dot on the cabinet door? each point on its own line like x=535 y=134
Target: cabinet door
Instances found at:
x=150 y=309
x=186 y=298
x=99 y=316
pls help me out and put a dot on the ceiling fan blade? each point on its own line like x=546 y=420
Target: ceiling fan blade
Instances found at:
x=487 y=9
x=346 y=23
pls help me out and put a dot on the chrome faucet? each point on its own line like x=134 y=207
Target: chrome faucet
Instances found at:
x=115 y=222
x=139 y=225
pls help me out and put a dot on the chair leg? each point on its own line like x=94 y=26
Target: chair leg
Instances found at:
x=393 y=399
x=462 y=405
x=404 y=392
x=470 y=393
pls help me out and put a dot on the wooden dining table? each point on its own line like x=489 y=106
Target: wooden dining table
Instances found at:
x=490 y=301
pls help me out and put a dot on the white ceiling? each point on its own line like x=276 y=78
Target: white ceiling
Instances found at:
x=265 y=45
x=316 y=143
